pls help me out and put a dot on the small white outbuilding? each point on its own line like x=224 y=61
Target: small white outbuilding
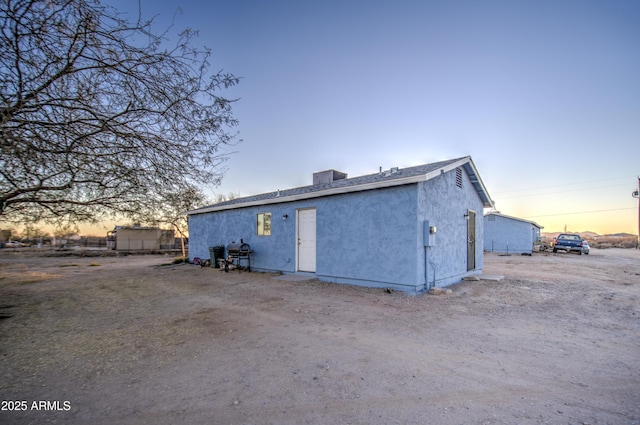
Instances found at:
x=506 y=234
x=137 y=238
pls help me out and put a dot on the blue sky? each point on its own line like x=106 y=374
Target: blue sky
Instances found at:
x=543 y=95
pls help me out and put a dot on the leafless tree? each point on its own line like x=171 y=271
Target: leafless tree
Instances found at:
x=99 y=117
x=169 y=212
x=222 y=197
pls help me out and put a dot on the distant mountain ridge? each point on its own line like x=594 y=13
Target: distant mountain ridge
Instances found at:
x=613 y=240
x=590 y=235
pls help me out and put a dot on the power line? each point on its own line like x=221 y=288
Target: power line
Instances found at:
x=580 y=212
x=561 y=191
x=567 y=184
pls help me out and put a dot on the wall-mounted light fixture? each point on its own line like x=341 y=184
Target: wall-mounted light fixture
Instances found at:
x=466 y=215
x=286 y=216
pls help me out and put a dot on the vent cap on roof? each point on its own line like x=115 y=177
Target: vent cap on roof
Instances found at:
x=328 y=176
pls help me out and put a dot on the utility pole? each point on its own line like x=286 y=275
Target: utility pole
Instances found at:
x=636 y=194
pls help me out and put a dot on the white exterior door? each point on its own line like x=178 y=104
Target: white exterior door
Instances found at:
x=307 y=240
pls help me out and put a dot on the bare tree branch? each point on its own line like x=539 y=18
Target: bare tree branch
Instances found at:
x=94 y=122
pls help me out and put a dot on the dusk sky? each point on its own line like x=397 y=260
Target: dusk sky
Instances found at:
x=543 y=95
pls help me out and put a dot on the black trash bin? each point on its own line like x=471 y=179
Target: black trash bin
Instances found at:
x=215 y=253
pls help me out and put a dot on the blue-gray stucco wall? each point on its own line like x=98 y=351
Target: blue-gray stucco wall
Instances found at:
x=504 y=234
x=275 y=252
x=368 y=238
x=371 y=238
x=364 y=238
x=444 y=205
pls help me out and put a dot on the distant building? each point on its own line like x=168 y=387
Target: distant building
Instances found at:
x=137 y=238
x=506 y=234
x=5 y=235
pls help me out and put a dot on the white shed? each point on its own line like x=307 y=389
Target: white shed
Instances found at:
x=137 y=238
x=503 y=233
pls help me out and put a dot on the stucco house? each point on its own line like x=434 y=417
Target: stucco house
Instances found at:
x=409 y=229
x=506 y=234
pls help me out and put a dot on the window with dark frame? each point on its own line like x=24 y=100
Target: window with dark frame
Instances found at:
x=263 y=224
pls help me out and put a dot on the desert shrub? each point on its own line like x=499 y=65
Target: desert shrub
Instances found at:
x=614 y=242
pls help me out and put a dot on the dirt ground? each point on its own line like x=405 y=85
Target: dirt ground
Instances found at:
x=132 y=340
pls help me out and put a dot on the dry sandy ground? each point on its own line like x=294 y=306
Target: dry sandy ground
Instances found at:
x=132 y=341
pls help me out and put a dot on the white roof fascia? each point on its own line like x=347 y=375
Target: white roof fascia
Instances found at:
x=346 y=189
x=491 y=204
x=524 y=220
x=445 y=169
x=318 y=194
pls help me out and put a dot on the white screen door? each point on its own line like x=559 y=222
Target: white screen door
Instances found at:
x=307 y=240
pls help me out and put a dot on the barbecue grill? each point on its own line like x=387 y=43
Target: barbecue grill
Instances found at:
x=236 y=253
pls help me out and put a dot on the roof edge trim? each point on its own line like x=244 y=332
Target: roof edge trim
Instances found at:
x=358 y=188
x=318 y=194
